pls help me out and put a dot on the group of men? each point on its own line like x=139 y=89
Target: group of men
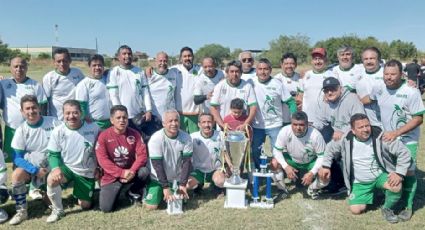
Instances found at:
x=350 y=126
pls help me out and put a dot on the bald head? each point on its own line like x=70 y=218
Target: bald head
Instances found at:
x=18 y=68
x=208 y=65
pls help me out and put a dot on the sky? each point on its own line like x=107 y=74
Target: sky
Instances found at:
x=151 y=26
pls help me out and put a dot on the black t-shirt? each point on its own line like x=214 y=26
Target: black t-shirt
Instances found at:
x=412 y=70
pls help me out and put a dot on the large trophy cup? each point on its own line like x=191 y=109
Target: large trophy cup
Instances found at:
x=236 y=144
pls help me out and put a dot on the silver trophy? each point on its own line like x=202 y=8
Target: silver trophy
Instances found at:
x=236 y=144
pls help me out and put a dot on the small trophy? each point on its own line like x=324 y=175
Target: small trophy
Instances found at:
x=257 y=176
x=176 y=206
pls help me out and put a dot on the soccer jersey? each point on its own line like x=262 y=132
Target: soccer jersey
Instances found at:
x=270 y=98
x=171 y=151
x=206 y=151
x=311 y=87
x=129 y=87
x=12 y=93
x=303 y=149
x=250 y=75
x=95 y=95
x=349 y=78
x=399 y=106
x=204 y=85
x=293 y=84
x=59 y=88
x=185 y=88
x=224 y=93
x=366 y=168
x=163 y=89
x=74 y=148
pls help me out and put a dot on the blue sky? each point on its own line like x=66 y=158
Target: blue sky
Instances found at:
x=151 y=26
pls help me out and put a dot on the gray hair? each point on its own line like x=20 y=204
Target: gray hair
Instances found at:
x=246 y=51
x=345 y=48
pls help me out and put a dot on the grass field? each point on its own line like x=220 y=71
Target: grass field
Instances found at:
x=206 y=212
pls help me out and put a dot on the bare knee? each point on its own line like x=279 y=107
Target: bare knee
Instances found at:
x=151 y=207
x=218 y=179
x=357 y=209
x=20 y=175
x=84 y=204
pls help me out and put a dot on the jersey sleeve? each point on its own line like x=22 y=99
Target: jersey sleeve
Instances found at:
x=41 y=95
x=279 y=148
x=54 y=148
x=112 y=86
x=319 y=149
x=364 y=88
x=47 y=85
x=198 y=87
x=141 y=155
x=156 y=151
x=146 y=92
x=215 y=99
x=416 y=106
x=251 y=99
x=188 y=147
x=18 y=140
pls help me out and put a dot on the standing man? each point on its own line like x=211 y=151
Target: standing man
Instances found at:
x=271 y=96
x=347 y=72
x=184 y=91
x=128 y=86
x=30 y=153
x=122 y=155
x=204 y=87
x=248 y=70
x=14 y=89
x=59 y=84
x=413 y=70
x=71 y=158
x=93 y=95
x=170 y=156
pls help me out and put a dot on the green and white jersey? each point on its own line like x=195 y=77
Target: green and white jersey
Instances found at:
x=76 y=147
x=59 y=88
x=224 y=93
x=204 y=85
x=12 y=94
x=311 y=87
x=349 y=78
x=34 y=138
x=129 y=87
x=366 y=168
x=185 y=88
x=302 y=150
x=399 y=106
x=94 y=92
x=206 y=151
x=270 y=98
x=293 y=85
x=171 y=151
x=250 y=75
x=163 y=91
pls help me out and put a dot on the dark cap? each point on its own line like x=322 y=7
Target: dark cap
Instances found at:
x=331 y=82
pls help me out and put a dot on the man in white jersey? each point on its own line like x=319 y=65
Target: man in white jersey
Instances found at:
x=373 y=76
x=227 y=90
x=299 y=150
x=93 y=95
x=72 y=158
x=59 y=84
x=290 y=79
x=207 y=148
x=403 y=109
x=347 y=72
x=248 y=70
x=170 y=156
x=369 y=163
x=14 y=89
x=206 y=82
x=30 y=153
x=162 y=85
x=128 y=86
x=271 y=96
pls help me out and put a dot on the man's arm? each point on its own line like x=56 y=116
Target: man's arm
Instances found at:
x=158 y=165
x=333 y=151
x=412 y=124
x=20 y=162
x=399 y=150
x=215 y=111
x=141 y=155
x=251 y=115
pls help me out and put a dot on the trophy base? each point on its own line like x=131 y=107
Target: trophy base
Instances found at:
x=175 y=207
x=265 y=205
x=235 y=195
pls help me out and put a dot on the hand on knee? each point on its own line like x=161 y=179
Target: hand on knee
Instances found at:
x=357 y=209
x=394 y=189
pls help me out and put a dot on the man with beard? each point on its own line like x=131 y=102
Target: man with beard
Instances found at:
x=206 y=82
x=347 y=72
x=248 y=70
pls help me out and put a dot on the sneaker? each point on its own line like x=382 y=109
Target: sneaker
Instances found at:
x=313 y=193
x=334 y=191
x=3 y=215
x=405 y=215
x=36 y=194
x=55 y=216
x=135 y=199
x=389 y=215
x=20 y=216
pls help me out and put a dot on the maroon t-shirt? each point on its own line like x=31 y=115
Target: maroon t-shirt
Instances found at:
x=117 y=152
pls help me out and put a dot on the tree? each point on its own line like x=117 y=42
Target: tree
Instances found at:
x=43 y=56
x=403 y=50
x=234 y=55
x=298 y=44
x=6 y=54
x=215 y=51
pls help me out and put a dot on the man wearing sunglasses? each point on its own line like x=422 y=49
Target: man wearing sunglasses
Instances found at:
x=248 y=70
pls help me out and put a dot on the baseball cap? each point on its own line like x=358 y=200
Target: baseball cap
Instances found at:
x=330 y=82
x=319 y=50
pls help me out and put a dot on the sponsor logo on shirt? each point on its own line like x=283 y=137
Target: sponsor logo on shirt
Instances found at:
x=401 y=95
x=120 y=151
x=131 y=140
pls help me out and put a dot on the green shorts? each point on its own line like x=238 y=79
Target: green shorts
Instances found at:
x=189 y=123
x=413 y=148
x=154 y=193
x=303 y=167
x=202 y=177
x=83 y=186
x=362 y=193
x=7 y=148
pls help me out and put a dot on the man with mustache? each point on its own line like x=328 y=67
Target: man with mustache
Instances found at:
x=347 y=72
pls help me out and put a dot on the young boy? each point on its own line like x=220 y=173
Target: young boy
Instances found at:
x=237 y=116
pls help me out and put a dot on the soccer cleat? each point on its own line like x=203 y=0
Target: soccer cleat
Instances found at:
x=36 y=194
x=135 y=199
x=3 y=215
x=389 y=215
x=55 y=216
x=20 y=216
x=405 y=215
x=313 y=193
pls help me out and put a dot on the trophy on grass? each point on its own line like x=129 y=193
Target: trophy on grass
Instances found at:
x=236 y=144
x=175 y=207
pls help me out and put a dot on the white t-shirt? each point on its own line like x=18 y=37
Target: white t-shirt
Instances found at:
x=163 y=89
x=185 y=88
x=366 y=168
x=94 y=92
x=206 y=151
x=171 y=150
x=204 y=85
x=224 y=93
x=270 y=98
x=76 y=147
x=293 y=84
x=349 y=78
x=59 y=88
x=12 y=94
x=250 y=75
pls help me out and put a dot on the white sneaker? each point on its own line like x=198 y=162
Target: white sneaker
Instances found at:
x=35 y=194
x=20 y=216
x=3 y=215
x=55 y=216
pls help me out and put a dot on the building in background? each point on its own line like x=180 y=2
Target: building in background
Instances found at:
x=77 y=54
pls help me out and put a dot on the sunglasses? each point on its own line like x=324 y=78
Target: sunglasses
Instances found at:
x=245 y=60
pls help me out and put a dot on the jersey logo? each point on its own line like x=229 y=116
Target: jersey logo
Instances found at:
x=398 y=117
x=120 y=150
x=131 y=140
x=268 y=105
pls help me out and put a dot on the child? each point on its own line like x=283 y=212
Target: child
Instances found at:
x=237 y=115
